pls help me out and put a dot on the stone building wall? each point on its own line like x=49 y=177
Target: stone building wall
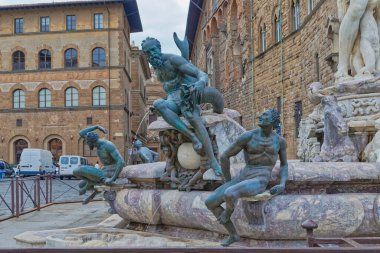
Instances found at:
x=39 y=126
x=306 y=54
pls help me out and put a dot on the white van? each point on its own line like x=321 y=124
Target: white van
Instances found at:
x=68 y=163
x=35 y=161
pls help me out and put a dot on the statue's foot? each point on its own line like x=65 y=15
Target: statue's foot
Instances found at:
x=82 y=191
x=225 y=216
x=231 y=239
x=198 y=147
x=89 y=198
x=341 y=76
x=216 y=168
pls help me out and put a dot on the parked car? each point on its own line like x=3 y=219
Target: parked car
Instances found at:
x=68 y=163
x=4 y=166
x=35 y=161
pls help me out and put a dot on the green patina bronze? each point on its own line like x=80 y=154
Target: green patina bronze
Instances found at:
x=186 y=90
x=146 y=155
x=261 y=147
x=109 y=156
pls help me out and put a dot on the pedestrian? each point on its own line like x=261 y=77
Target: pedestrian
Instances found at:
x=97 y=166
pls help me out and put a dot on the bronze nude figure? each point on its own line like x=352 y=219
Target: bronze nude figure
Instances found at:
x=261 y=147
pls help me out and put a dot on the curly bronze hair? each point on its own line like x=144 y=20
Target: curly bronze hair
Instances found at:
x=150 y=40
x=91 y=137
x=275 y=116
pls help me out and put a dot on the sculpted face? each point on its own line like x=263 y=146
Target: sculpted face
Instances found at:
x=153 y=51
x=137 y=144
x=265 y=119
x=91 y=139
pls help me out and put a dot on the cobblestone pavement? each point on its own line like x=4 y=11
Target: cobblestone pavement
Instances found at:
x=63 y=191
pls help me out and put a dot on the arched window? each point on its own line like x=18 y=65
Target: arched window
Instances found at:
x=44 y=98
x=296 y=18
x=55 y=147
x=98 y=57
x=71 y=97
x=19 y=146
x=18 y=99
x=45 y=59
x=71 y=58
x=18 y=61
x=98 y=96
x=277 y=28
x=263 y=38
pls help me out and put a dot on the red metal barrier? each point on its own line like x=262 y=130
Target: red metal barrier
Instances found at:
x=20 y=195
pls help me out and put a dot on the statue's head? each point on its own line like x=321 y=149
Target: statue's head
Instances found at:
x=269 y=118
x=313 y=92
x=138 y=144
x=152 y=48
x=91 y=139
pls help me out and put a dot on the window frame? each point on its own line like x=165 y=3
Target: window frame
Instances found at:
x=46 y=102
x=20 y=95
x=277 y=28
x=98 y=57
x=263 y=38
x=18 y=65
x=296 y=15
x=43 y=65
x=71 y=23
x=97 y=24
x=18 y=27
x=101 y=99
x=73 y=94
x=310 y=6
x=45 y=24
x=73 y=59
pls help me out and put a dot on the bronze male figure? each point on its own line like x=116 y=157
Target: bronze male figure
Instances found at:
x=261 y=147
x=186 y=88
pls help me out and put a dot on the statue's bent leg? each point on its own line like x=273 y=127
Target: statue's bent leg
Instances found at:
x=347 y=34
x=169 y=111
x=201 y=131
x=246 y=188
x=213 y=203
x=90 y=176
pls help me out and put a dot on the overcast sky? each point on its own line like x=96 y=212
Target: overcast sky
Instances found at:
x=160 y=18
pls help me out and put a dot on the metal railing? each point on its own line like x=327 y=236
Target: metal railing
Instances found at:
x=21 y=195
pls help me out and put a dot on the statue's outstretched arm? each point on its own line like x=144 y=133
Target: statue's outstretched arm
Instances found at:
x=84 y=131
x=233 y=150
x=189 y=69
x=277 y=189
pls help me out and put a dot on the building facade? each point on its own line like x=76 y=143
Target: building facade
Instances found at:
x=63 y=67
x=264 y=54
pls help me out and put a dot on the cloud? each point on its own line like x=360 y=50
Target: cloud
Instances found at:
x=160 y=18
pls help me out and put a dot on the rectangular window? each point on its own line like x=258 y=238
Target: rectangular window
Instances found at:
x=279 y=104
x=311 y=5
x=19 y=25
x=71 y=23
x=18 y=122
x=89 y=120
x=296 y=16
x=297 y=116
x=45 y=24
x=98 y=21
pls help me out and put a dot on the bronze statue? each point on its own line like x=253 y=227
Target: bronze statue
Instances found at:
x=186 y=88
x=109 y=156
x=261 y=147
x=146 y=155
